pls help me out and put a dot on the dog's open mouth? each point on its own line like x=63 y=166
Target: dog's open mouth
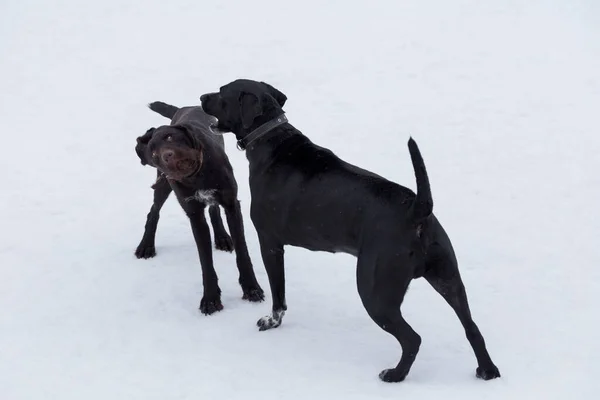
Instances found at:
x=185 y=165
x=184 y=169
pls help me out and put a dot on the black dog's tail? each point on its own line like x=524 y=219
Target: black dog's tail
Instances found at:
x=164 y=109
x=423 y=204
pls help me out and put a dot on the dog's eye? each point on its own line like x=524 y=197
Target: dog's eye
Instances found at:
x=169 y=138
x=154 y=154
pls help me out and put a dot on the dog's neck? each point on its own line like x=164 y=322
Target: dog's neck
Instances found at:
x=280 y=142
x=245 y=139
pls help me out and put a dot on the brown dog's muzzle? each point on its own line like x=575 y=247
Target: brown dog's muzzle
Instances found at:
x=178 y=163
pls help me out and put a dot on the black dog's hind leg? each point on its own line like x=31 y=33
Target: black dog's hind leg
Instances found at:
x=442 y=273
x=162 y=189
x=250 y=287
x=382 y=284
x=223 y=241
x=272 y=255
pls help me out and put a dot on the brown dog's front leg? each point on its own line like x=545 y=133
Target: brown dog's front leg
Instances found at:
x=222 y=239
x=211 y=300
x=162 y=189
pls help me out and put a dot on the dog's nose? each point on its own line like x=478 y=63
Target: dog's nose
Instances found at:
x=166 y=155
x=204 y=97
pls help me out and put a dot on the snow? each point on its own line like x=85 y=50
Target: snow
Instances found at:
x=502 y=98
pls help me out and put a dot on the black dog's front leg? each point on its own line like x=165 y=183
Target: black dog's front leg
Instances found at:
x=251 y=288
x=162 y=189
x=272 y=255
x=211 y=300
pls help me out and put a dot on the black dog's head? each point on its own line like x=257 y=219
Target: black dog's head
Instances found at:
x=174 y=150
x=243 y=105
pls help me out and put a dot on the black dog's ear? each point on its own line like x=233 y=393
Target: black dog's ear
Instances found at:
x=250 y=108
x=277 y=95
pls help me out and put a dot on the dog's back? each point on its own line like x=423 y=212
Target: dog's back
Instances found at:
x=190 y=115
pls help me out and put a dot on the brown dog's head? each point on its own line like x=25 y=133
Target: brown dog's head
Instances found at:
x=174 y=150
x=243 y=105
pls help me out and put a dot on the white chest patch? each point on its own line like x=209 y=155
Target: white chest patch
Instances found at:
x=204 y=196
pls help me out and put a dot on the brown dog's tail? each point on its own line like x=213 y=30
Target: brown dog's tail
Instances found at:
x=423 y=204
x=164 y=109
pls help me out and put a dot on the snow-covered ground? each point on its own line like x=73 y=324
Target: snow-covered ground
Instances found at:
x=502 y=97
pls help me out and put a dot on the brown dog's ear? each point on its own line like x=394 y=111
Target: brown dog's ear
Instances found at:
x=189 y=132
x=250 y=108
x=142 y=145
x=277 y=95
x=145 y=138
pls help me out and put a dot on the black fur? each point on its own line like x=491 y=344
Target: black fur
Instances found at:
x=188 y=158
x=304 y=195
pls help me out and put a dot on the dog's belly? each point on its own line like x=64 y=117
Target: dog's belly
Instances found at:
x=324 y=245
x=313 y=228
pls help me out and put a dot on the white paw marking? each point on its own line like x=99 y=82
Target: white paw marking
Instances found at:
x=272 y=321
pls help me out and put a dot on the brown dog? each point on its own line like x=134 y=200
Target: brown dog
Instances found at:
x=190 y=160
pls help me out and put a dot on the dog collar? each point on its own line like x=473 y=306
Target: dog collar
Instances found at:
x=261 y=130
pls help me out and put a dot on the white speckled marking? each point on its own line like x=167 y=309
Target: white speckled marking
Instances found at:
x=204 y=196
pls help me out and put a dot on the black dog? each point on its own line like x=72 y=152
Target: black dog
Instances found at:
x=304 y=195
x=190 y=160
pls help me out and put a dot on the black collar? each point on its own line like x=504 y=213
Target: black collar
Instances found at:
x=261 y=130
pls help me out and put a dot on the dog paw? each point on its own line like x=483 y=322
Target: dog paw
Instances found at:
x=223 y=242
x=209 y=306
x=392 y=375
x=270 y=321
x=254 y=294
x=145 y=251
x=488 y=373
